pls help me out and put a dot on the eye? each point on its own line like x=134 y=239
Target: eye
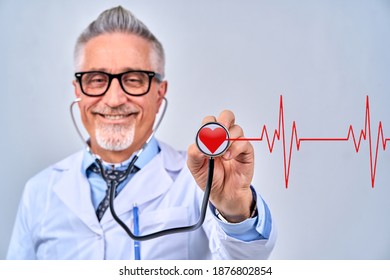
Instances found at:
x=134 y=79
x=95 y=79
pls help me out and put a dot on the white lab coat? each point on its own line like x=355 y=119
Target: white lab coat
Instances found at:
x=56 y=219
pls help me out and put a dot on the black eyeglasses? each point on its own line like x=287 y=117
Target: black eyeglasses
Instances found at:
x=135 y=83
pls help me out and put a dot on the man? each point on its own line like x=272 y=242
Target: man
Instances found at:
x=119 y=80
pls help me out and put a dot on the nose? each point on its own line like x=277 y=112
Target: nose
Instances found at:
x=115 y=96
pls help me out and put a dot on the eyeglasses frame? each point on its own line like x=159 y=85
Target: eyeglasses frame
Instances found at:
x=118 y=76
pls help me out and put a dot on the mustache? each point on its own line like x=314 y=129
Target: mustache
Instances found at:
x=120 y=110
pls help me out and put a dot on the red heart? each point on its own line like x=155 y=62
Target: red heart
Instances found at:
x=212 y=139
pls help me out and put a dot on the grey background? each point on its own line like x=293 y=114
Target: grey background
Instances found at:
x=324 y=57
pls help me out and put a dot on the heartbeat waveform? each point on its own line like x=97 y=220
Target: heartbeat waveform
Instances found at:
x=279 y=134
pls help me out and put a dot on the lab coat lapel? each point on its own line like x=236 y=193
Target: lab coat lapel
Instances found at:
x=74 y=191
x=149 y=183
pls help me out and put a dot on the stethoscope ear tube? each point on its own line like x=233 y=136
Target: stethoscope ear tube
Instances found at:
x=74 y=102
x=206 y=195
x=77 y=100
x=195 y=226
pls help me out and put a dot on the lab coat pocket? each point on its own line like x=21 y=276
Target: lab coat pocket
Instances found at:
x=172 y=246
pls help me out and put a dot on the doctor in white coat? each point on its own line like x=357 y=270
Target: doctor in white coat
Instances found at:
x=120 y=70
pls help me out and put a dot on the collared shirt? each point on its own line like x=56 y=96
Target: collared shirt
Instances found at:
x=245 y=231
x=97 y=183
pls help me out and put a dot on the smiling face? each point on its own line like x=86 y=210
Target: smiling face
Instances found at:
x=119 y=124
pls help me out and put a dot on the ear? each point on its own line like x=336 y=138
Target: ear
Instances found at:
x=161 y=92
x=77 y=90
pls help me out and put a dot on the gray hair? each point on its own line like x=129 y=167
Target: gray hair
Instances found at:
x=119 y=19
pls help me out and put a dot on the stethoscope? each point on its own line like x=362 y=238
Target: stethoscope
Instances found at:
x=212 y=139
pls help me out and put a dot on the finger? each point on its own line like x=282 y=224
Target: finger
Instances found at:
x=208 y=119
x=236 y=131
x=226 y=118
x=237 y=146
x=239 y=150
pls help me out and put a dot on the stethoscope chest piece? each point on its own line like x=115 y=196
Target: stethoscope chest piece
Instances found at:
x=212 y=139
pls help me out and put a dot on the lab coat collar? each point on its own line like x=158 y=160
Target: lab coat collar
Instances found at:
x=73 y=189
x=151 y=150
x=173 y=160
x=149 y=183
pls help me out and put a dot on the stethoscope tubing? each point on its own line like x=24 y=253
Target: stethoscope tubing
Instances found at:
x=112 y=190
x=157 y=234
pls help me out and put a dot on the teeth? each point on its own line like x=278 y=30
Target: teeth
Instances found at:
x=114 y=117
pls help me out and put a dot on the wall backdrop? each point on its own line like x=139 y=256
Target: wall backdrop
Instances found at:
x=323 y=57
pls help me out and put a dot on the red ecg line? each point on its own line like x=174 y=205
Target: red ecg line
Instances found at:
x=279 y=134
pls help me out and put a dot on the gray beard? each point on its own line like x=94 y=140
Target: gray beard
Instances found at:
x=115 y=137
